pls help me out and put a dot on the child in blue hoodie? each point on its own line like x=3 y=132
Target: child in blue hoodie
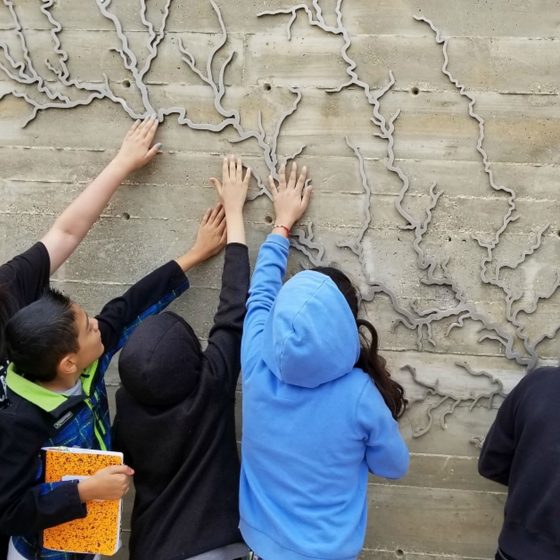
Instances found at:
x=319 y=411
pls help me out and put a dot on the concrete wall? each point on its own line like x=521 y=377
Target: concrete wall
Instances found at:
x=460 y=278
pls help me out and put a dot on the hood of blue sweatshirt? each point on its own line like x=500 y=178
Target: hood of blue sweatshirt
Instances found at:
x=311 y=336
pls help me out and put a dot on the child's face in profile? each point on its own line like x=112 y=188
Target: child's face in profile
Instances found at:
x=89 y=338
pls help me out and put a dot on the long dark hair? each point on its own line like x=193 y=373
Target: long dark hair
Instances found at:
x=370 y=361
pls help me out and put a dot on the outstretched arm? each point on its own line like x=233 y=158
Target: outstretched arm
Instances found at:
x=291 y=199
x=76 y=220
x=224 y=340
x=157 y=290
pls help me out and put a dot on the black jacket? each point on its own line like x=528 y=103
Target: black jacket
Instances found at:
x=175 y=424
x=22 y=280
x=522 y=451
x=31 y=421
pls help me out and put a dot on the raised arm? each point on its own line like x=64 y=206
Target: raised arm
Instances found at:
x=291 y=198
x=76 y=220
x=224 y=340
x=158 y=289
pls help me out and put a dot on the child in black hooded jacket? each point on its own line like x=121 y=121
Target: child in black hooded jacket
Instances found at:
x=175 y=414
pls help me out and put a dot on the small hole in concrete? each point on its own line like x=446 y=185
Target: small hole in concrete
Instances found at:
x=126 y=83
x=125 y=216
x=415 y=91
x=267 y=86
x=399 y=552
x=449 y=239
x=268 y=219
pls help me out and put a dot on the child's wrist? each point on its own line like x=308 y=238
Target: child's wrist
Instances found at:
x=233 y=209
x=186 y=261
x=86 y=490
x=287 y=221
x=192 y=257
x=121 y=165
x=282 y=228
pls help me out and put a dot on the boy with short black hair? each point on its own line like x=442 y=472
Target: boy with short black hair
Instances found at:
x=65 y=402
x=24 y=278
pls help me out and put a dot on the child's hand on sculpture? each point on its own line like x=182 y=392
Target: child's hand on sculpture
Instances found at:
x=72 y=225
x=210 y=238
x=232 y=191
x=233 y=188
x=291 y=198
x=211 y=235
x=136 y=149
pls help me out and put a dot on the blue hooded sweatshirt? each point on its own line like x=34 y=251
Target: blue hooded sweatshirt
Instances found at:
x=313 y=424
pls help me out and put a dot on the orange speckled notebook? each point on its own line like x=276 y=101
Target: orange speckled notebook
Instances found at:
x=99 y=531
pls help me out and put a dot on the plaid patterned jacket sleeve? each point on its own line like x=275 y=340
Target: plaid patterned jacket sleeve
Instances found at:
x=149 y=296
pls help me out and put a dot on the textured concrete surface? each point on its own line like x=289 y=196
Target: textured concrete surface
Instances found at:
x=459 y=278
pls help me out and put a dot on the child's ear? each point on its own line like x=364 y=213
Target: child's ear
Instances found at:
x=68 y=365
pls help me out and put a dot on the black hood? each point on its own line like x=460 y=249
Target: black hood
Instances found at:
x=160 y=363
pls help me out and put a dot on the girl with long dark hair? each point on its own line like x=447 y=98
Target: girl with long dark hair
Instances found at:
x=369 y=361
x=319 y=406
